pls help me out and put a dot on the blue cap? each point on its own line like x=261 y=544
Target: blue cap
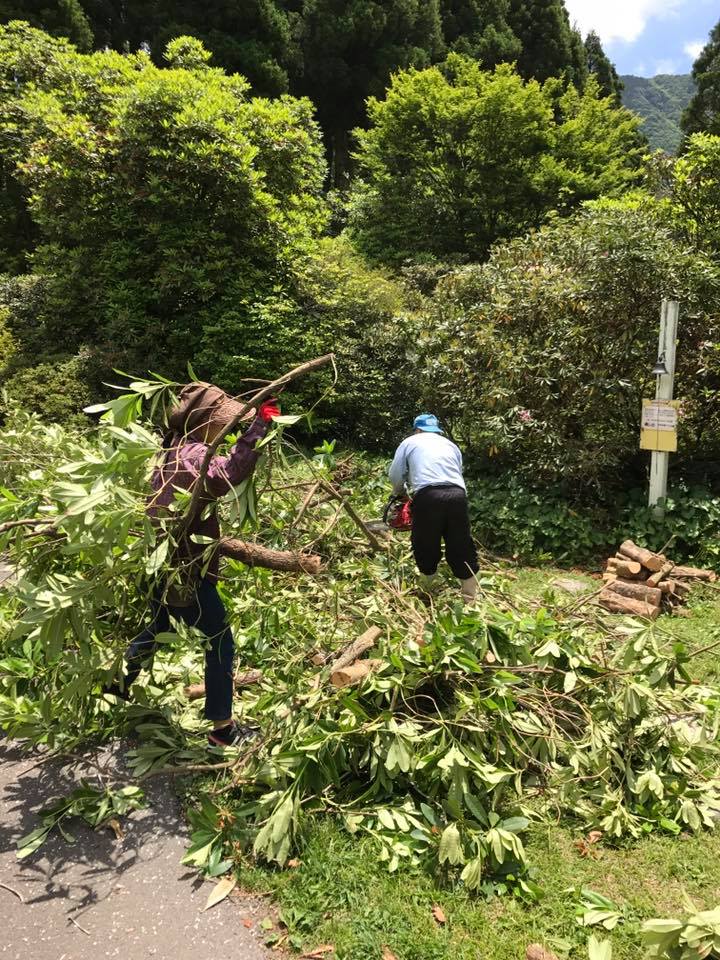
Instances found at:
x=428 y=423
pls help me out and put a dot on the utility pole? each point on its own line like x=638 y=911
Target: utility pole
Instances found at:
x=664 y=391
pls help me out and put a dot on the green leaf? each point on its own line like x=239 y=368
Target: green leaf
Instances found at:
x=450 y=850
x=599 y=949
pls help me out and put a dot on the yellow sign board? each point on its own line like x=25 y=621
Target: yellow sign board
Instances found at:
x=659 y=425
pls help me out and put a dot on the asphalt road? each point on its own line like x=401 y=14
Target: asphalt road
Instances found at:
x=103 y=897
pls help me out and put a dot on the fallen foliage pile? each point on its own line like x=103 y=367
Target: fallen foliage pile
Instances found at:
x=645 y=584
x=468 y=725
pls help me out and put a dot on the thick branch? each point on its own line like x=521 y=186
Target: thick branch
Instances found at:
x=336 y=495
x=255 y=555
x=195 y=691
x=356 y=649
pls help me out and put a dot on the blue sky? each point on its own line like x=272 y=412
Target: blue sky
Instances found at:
x=646 y=37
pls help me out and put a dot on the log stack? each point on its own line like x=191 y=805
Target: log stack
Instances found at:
x=641 y=583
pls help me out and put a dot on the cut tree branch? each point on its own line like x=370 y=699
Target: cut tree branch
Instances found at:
x=356 y=649
x=336 y=495
x=195 y=691
x=255 y=555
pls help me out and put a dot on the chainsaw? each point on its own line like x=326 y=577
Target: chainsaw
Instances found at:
x=398 y=513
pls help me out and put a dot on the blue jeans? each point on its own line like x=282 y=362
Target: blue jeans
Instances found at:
x=206 y=613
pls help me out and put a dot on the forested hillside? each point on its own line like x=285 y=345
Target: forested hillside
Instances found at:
x=335 y=52
x=660 y=101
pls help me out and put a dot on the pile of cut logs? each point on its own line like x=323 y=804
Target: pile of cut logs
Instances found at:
x=646 y=584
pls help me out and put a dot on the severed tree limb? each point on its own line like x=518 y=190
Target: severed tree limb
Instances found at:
x=354 y=673
x=195 y=691
x=616 y=603
x=637 y=591
x=536 y=952
x=305 y=504
x=255 y=555
x=43 y=528
x=694 y=573
x=336 y=495
x=356 y=649
x=254 y=402
x=651 y=561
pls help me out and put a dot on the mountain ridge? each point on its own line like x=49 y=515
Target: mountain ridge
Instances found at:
x=660 y=101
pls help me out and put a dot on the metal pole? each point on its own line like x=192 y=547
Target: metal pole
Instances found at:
x=664 y=391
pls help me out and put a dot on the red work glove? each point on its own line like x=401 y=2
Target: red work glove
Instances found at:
x=269 y=409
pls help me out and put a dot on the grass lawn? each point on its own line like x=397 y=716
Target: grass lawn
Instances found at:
x=341 y=894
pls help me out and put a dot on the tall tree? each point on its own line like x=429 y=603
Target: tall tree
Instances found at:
x=703 y=113
x=457 y=157
x=350 y=49
x=480 y=29
x=602 y=68
x=254 y=38
x=550 y=46
x=60 y=18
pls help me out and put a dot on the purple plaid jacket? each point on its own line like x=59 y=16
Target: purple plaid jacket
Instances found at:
x=179 y=470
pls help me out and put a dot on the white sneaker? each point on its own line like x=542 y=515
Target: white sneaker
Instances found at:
x=468 y=589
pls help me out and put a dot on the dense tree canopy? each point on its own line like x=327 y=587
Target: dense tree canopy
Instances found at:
x=254 y=38
x=540 y=358
x=350 y=50
x=550 y=46
x=60 y=18
x=602 y=68
x=457 y=157
x=480 y=29
x=703 y=114
x=337 y=52
x=169 y=209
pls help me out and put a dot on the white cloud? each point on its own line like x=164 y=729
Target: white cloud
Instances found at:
x=694 y=48
x=619 y=19
x=665 y=66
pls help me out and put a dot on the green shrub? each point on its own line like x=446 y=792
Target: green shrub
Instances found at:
x=457 y=157
x=56 y=388
x=371 y=321
x=529 y=523
x=171 y=208
x=540 y=358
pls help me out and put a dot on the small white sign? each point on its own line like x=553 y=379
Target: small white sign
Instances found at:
x=659 y=415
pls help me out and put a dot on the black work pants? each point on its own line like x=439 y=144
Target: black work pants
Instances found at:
x=441 y=514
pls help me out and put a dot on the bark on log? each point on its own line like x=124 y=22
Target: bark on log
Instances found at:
x=682 y=590
x=612 y=562
x=668 y=587
x=655 y=579
x=536 y=952
x=694 y=573
x=609 y=577
x=637 y=591
x=636 y=608
x=354 y=673
x=355 y=649
x=255 y=555
x=649 y=560
x=197 y=690
x=628 y=569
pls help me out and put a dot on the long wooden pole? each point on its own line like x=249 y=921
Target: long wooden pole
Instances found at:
x=660 y=459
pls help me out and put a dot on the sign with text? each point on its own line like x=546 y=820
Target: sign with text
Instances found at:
x=659 y=425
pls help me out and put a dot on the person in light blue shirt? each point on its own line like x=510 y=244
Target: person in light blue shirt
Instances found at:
x=429 y=467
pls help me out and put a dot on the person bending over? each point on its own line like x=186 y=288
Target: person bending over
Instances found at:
x=429 y=467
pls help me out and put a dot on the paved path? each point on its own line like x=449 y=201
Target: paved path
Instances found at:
x=132 y=898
